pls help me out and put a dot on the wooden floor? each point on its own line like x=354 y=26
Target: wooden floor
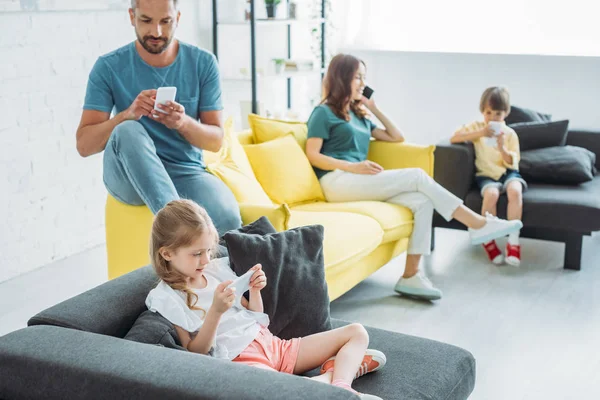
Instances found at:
x=535 y=331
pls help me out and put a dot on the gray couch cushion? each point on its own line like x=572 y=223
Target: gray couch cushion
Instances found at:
x=539 y=135
x=295 y=297
x=153 y=328
x=520 y=114
x=574 y=208
x=417 y=368
x=569 y=165
x=109 y=309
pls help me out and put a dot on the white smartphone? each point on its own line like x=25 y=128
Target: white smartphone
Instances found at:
x=496 y=126
x=164 y=94
x=242 y=283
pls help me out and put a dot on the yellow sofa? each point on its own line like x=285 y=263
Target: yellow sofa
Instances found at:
x=360 y=237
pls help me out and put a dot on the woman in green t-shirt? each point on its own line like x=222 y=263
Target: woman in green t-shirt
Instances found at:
x=339 y=134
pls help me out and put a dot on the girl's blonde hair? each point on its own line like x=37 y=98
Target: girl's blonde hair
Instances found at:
x=177 y=225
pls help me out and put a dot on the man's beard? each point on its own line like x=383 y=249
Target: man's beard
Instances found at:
x=151 y=48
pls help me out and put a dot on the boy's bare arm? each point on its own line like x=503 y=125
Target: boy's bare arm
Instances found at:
x=463 y=136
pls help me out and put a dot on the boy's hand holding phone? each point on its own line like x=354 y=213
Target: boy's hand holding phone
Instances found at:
x=487 y=132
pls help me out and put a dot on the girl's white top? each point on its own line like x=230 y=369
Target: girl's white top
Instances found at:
x=238 y=326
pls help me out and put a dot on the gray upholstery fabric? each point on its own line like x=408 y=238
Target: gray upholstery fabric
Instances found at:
x=572 y=208
x=68 y=364
x=454 y=167
x=295 y=297
x=520 y=114
x=261 y=226
x=47 y=362
x=566 y=208
x=153 y=328
x=588 y=140
x=539 y=135
x=96 y=310
x=568 y=165
x=417 y=369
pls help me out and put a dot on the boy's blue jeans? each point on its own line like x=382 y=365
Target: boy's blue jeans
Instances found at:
x=134 y=174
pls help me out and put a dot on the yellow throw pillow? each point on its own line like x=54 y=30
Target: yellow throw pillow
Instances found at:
x=266 y=129
x=233 y=168
x=284 y=172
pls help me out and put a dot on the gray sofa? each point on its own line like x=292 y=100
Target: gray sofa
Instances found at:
x=75 y=350
x=550 y=212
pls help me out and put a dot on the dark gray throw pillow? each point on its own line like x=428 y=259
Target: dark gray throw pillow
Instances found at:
x=261 y=226
x=558 y=165
x=153 y=328
x=295 y=297
x=519 y=114
x=539 y=135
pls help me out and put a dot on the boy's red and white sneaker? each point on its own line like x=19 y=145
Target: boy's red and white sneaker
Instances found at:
x=513 y=254
x=493 y=252
x=373 y=361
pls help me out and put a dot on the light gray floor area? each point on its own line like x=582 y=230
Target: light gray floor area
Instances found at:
x=535 y=331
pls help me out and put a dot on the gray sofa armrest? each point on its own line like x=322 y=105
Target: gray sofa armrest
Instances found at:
x=57 y=363
x=587 y=139
x=455 y=167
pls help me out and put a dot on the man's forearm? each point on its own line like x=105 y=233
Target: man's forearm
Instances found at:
x=92 y=139
x=203 y=136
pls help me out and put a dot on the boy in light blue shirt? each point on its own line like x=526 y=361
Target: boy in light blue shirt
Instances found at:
x=150 y=157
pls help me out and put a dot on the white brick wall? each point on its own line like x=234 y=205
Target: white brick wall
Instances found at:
x=52 y=201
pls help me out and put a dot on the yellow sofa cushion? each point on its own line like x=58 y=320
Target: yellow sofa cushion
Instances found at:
x=396 y=221
x=279 y=215
x=348 y=236
x=233 y=168
x=267 y=129
x=393 y=155
x=284 y=172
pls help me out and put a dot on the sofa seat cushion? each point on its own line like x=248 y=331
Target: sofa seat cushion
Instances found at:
x=573 y=208
x=396 y=221
x=417 y=368
x=348 y=236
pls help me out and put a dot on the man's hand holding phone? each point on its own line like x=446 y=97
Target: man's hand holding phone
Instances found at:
x=142 y=106
x=166 y=110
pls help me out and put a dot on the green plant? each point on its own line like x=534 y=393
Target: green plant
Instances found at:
x=279 y=61
x=272 y=2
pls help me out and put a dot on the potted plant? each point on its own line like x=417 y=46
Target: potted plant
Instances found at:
x=272 y=8
x=279 y=65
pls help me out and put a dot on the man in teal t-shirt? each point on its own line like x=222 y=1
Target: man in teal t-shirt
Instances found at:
x=149 y=157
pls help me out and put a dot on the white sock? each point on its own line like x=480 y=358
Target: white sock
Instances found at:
x=513 y=238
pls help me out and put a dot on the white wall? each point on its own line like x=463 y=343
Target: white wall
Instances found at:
x=430 y=94
x=51 y=199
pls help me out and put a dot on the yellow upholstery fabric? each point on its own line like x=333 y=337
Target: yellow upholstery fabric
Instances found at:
x=350 y=274
x=396 y=221
x=360 y=237
x=279 y=215
x=342 y=244
x=233 y=168
x=127 y=237
x=402 y=155
x=284 y=172
x=267 y=129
